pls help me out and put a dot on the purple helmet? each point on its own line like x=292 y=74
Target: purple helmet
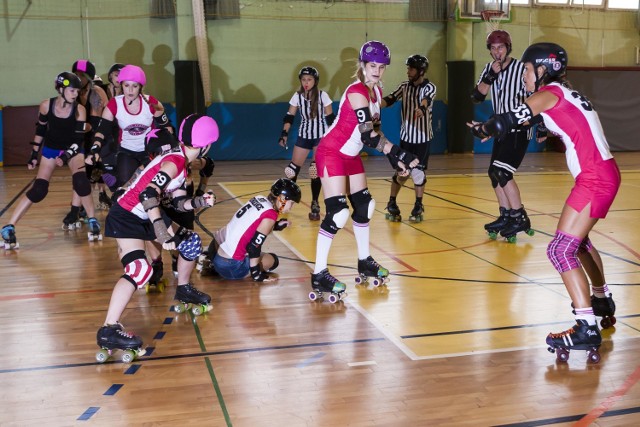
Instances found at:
x=375 y=51
x=132 y=73
x=198 y=131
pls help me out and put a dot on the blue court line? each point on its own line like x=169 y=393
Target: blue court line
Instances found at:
x=311 y=360
x=132 y=369
x=159 y=335
x=149 y=351
x=570 y=418
x=112 y=390
x=167 y=320
x=88 y=413
x=201 y=354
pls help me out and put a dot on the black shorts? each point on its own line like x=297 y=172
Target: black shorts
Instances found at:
x=508 y=152
x=421 y=151
x=122 y=224
x=307 y=143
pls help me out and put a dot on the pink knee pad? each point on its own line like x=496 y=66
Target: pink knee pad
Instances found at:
x=563 y=252
x=585 y=246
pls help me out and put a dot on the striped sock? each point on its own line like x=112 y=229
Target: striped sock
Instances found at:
x=586 y=314
x=600 y=291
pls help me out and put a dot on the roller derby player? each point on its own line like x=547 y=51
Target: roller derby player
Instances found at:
x=316 y=114
x=570 y=115
x=59 y=133
x=136 y=217
x=417 y=94
x=503 y=77
x=239 y=243
x=342 y=172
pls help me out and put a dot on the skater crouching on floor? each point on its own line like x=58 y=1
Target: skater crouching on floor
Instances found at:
x=136 y=217
x=59 y=135
x=570 y=115
x=239 y=243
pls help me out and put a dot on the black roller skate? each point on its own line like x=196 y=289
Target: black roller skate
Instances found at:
x=104 y=201
x=369 y=268
x=416 y=212
x=9 y=237
x=494 y=227
x=581 y=336
x=603 y=307
x=72 y=220
x=94 y=233
x=156 y=282
x=191 y=298
x=114 y=337
x=393 y=212
x=82 y=215
x=314 y=215
x=324 y=282
x=518 y=221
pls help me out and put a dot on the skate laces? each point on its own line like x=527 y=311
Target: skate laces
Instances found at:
x=562 y=334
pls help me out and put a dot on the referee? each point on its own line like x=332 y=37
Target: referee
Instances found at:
x=503 y=76
x=417 y=94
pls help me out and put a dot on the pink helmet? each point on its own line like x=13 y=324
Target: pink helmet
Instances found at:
x=132 y=73
x=198 y=131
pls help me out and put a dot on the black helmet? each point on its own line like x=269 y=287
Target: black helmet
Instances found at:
x=67 y=79
x=309 y=71
x=286 y=188
x=115 y=67
x=419 y=62
x=159 y=142
x=551 y=55
x=84 y=66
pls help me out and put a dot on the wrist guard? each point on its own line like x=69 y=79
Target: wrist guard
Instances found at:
x=489 y=77
x=160 y=230
x=257 y=274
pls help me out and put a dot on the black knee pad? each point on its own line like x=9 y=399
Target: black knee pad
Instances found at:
x=504 y=176
x=363 y=206
x=81 y=184
x=276 y=262
x=337 y=214
x=493 y=175
x=38 y=190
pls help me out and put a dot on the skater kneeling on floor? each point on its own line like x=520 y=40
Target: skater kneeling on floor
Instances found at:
x=136 y=217
x=239 y=253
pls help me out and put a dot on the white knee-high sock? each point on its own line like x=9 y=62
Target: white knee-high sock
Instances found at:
x=361 y=232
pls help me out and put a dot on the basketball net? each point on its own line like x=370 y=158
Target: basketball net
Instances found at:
x=492 y=19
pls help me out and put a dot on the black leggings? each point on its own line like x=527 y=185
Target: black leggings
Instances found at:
x=127 y=162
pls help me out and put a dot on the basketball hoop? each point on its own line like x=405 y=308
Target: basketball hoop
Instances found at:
x=492 y=18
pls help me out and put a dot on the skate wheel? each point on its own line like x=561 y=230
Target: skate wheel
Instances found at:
x=605 y=323
x=90 y=237
x=376 y=282
x=100 y=237
x=562 y=355
x=161 y=285
x=530 y=232
x=333 y=298
x=314 y=295
x=512 y=239
x=102 y=355
x=593 y=356
x=180 y=307
x=493 y=235
x=198 y=310
x=147 y=288
x=128 y=356
x=359 y=280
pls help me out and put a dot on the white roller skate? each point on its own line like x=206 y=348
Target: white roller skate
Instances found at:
x=94 y=233
x=9 y=237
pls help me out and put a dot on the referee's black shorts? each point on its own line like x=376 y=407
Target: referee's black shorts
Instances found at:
x=510 y=149
x=421 y=151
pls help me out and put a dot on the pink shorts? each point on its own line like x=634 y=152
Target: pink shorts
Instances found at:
x=599 y=190
x=336 y=163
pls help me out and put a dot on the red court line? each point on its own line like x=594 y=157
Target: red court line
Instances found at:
x=596 y=412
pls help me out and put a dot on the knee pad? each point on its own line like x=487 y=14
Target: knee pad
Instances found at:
x=292 y=171
x=337 y=214
x=191 y=247
x=38 y=190
x=418 y=176
x=400 y=180
x=81 y=184
x=585 y=246
x=563 y=252
x=313 y=171
x=504 y=176
x=276 y=262
x=493 y=176
x=137 y=269
x=363 y=206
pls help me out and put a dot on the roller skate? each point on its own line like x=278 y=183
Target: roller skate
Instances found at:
x=493 y=228
x=104 y=201
x=156 y=282
x=518 y=221
x=605 y=308
x=9 y=237
x=314 y=215
x=416 y=213
x=72 y=220
x=191 y=298
x=393 y=212
x=581 y=336
x=94 y=233
x=369 y=268
x=324 y=282
x=114 y=337
x=82 y=215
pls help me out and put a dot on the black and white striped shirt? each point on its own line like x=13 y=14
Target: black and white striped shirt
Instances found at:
x=415 y=130
x=508 y=91
x=311 y=128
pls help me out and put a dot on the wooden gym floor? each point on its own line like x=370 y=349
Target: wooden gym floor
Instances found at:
x=456 y=339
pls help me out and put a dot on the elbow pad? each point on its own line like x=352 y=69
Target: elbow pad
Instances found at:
x=476 y=96
x=389 y=100
x=330 y=118
x=288 y=118
x=105 y=126
x=149 y=198
x=94 y=121
x=254 y=247
x=372 y=142
x=207 y=169
x=161 y=121
x=41 y=124
x=498 y=125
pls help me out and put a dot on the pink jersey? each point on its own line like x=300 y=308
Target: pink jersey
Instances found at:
x=130 y=200
x=134 y=126
x=576 y=122
x=343 y=135
x=244 y=224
